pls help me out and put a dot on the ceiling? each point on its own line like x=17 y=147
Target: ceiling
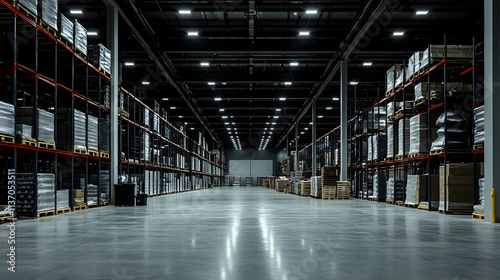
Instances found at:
x=250 y=47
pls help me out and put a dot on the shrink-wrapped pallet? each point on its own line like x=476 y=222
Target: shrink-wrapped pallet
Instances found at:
x=403 y=133
x=7 y=119
x=93 y=133
x=66 y=28
x=49 y=12
x=392 y=75
x=62 y=199
x=80 y=35
x=100 y=57
x=455 y=135
x=30 y=5
x=479 y=125
x=316 y=188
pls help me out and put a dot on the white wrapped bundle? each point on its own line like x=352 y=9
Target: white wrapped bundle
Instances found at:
x=316 y=190
x=411 y=189
x=80 y=129
x=479 y=125
x=62 y=199
x=67 y=28
x=7 y=119
x=93 y=133
x=49 y=10
x=24 y=130
x=30 y=5
x=45 y=126
x=46 y=184
x=403 y=133
x=80 y=38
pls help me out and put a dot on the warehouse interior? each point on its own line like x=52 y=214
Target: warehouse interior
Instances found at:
x=249 y=139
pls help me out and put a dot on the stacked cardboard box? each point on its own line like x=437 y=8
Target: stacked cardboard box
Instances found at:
x=305 y=188
x=282 y=185
x=392 y=74
x=78 y=197
x=418 y=132
x=343 y=189
x=329 y=180
x=416 y=189
x=459 y=182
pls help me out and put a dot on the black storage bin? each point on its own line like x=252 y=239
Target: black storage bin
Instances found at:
x=125 y=195
x=141 y=200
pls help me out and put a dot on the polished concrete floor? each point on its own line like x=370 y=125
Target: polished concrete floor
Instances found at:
x=253 y=233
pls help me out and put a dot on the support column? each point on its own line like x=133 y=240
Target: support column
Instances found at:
x=296 y=165
x=491 y=102
x=112 y=43
x=343 y=120
x=313 y=158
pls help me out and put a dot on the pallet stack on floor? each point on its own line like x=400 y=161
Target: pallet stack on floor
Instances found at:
x=329 y=182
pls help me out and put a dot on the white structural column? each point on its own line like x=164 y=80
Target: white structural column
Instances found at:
x=343 y=120
x=313 y=156
x=112 y=44
x=492 y=103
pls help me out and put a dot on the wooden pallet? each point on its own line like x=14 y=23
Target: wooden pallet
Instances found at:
x=46 y=145
x=105 y=154
x=123 y=113
x=63 y=210
x=65 y=41
x=373 y=199
x=45 y=213
x=390 y=117
x=456 y=211
x=342 y=197
x=417 y=155
x=420 y=102
x=26 y=141
x=81 y=151
x=93 y=205
x=478 y=216
x=48 y=28
x=25 y=11
x=478 y=146
x=93 y=153
x=104 y=72
x=411 y=205
x=399 y=203
x=399 y=157
x=7 y=218
x=80 y=53
x=399 y=114
x=389 y=93
x=449 y=151
x=7 y=138
x=426 y=208
x=78 y=208
x=389 y=202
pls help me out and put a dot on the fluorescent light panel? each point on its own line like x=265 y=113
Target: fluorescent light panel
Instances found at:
x=184 y=12
x=329 y=108
x=367 y=64
x=76 y=12
x=354 y=83
x=217 y=99
x=294 y=64
x=282 y=99
x=129 y=64
x=173 y=108
x=287 y=83
x=398 y=33
x=92 y=33
x=205 y=64
x=419 y=13
x=222 y=110
x=335 y=99
x=145 y=83
x=192 y=33
x=311 y=12
x=304 y=33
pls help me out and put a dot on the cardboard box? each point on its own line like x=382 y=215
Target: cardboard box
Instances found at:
x=456 y=180
x=459 y=169
x=422 y=188
x=78 y=193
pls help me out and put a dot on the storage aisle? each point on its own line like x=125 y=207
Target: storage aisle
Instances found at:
x=253 y=233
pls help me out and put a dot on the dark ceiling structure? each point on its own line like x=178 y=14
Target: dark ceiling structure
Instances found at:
x=245 y=70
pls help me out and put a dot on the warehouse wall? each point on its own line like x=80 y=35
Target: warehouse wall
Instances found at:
x=251 y=162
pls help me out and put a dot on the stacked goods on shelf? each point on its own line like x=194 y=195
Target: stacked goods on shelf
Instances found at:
x=400 y=79
x=459 y=179
x=145 y=147
x=403 y=135
x=437 y=52
x=31 y=5
x=249 y=181
x=375 y=119
x=413 y=65
x=392 y=74
x=418 y=133
x=379 y=146
x=26 y=193
x=100 y=56
x=104 y=185
x=392 y=108
x=395 y=190
x=24 y=131
x=48 y=11
x=7 y=119
x=455 y=135
x=367 y=190
x=265 y=182
x=328 y=182
x=316 y=190
x=64 y=132
x=370 y=148
x=305 y=188
x=45 y=122
x=282 y=185
x=416 y=189
x=480 y=207
x=421 y=90
x=479 y=125
x=78 y=197
x=379 y=188
x=80 y=36
x=392 y=139
x=62 y=199
x=343 y=189
x=147 y=182
x=66 y=28
x=93 y=133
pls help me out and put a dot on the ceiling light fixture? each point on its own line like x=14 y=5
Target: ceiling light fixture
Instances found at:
x=398 y=33
x=420 y=13
x=335 y=99
x=145 y=83
x=276 y=117
x=92 y=33
x=304 y=33
x=320 y=117
x=205 y=64
x=311 y=12
x=282 y=99
x=173 y=108
x=353 y=83
x=329 y=108
x=184 y=12
x=222 y=110
x=217 y=99
x=76 y=12
x=294 y=64
x=367 y=64
x=192 y=33
x=165 y=99
x=129 y=64
x=287 y=83
x=224 y=117
x=278 y=110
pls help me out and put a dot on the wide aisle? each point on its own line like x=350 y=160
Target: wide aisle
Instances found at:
x=253 y=233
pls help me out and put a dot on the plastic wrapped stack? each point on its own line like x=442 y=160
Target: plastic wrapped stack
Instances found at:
x=7 y=119
x=80 y=38
x=375 y=187
x=418 y=133
x=316 y=190
x=104 y=134
x=104 y=185
x=367 y=190
x=392 y=139
x=370 y=148
x=403 y=133
x=237 y=181
x=45 y=122
x=437 y=51
x=145 y=148
x=395 y=190
x=79 y=122
x=456 y=136
x=459 y=187
x=375 y=119
x=393 y=107
x=24 y=130
x=480 y=207
x=66 y=28
x=62 y=199
x=93 y=133
x=400 y=79
x=46 y=184
x=100 y=56
x=479 y=125
x=25 y=192
x=30 y=5
x=49 y=12
x=392 y=75
x=416 y=188
x=147 y=182
x=91 y=194
x=421 y=89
